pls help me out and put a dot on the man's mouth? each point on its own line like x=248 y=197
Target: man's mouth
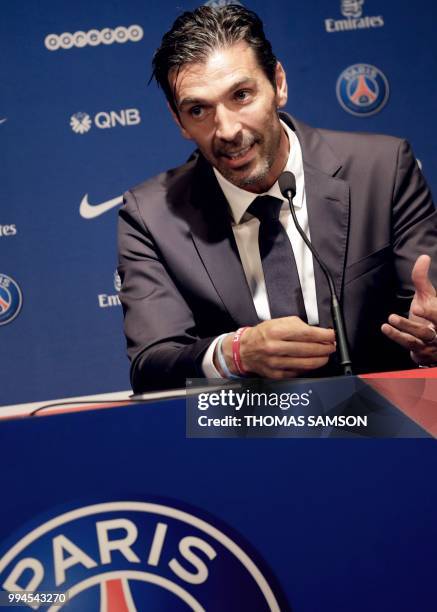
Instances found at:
x=237 y=154
x=235 y=159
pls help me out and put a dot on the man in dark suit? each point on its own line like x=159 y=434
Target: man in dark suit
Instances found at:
x=205 y=270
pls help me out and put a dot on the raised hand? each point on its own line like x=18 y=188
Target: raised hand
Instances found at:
x=418 y=332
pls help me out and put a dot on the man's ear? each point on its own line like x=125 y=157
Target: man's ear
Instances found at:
x=281 y=86
x=184 y=132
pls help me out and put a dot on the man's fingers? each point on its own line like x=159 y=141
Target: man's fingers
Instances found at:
x=299 y=364
x=300 y=349
x=285 y=347
x=420 y=277
x=422 y=331
x=279 y=374
x=426 y=310
x=293 y=328
x=405 y=339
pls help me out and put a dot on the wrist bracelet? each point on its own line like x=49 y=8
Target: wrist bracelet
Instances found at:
x=236 y=351
x=221 y=359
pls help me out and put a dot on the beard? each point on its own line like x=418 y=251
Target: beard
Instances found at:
x=255 y=172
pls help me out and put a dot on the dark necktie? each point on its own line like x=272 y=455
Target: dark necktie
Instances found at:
x=279 y=266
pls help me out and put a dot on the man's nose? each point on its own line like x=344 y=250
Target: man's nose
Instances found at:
x=227 y=123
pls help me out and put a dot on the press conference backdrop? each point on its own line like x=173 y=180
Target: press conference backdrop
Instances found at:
x=79 y=125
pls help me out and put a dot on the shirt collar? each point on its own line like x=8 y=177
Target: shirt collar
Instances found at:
x=239 y=199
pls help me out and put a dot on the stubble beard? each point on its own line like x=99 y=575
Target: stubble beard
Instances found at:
x=269 y=149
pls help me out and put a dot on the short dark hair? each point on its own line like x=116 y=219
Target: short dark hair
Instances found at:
x=195 y=34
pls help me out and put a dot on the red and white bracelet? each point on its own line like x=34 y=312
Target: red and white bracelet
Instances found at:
x=236 y=351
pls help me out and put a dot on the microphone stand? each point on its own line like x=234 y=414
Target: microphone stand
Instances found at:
x=337 y=315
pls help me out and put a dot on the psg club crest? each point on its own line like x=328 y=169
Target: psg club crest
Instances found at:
x=11 y=299
x=362 y=90
x=132 y=556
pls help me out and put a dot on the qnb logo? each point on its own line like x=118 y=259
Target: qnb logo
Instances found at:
x=11 y=299
x=108 y=301
x=107 y=36
x=362 y=90
x=134 y=555
x=352 y=10
x=81 y=123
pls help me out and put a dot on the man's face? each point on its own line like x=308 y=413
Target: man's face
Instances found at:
x=229 y=108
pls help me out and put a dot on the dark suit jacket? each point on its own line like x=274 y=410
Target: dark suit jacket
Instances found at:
x=370 y=216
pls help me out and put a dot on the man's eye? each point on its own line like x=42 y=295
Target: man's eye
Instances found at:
x=196 y=111
x=242 y=94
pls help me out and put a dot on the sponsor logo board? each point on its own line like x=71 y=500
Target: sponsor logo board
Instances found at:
x=109 y=301
x=219 y=3
x=352 y=11
x=8 y=230
x=362 y=90
x=93 y=38
x=81 y=122
x=91 y=211
x=11 y=299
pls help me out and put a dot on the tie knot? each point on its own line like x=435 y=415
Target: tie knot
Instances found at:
x=265 y=208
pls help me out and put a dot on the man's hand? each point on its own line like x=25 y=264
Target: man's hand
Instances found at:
x=418 y=332
x=282 y=348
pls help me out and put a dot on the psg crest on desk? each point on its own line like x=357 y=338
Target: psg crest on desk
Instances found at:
x=126 y=556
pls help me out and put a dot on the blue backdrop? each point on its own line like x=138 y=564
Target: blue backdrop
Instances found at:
x=79 y=125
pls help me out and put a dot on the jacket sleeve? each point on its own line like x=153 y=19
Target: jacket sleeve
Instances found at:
x=162 y=343
x=414 y=221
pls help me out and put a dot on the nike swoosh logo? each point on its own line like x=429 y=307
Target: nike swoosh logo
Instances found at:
x=91 y=211
x=3 y=120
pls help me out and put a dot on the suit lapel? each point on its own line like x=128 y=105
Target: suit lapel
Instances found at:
x=328 y=216
x=327 y=200
x=215 y=243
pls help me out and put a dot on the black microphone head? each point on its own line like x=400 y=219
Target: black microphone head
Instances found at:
x=287 y=184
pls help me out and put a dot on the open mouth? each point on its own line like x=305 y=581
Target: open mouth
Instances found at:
x=238 y=158
x=238 y=154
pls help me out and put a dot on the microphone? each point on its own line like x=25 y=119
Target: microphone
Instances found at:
x=287 y=185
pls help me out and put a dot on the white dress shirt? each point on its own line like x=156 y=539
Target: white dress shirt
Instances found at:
x=246 y=228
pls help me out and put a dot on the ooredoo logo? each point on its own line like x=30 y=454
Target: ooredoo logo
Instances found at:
x=136 y=555
x=362 y=90
x=11 y=299
x=92 y=38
